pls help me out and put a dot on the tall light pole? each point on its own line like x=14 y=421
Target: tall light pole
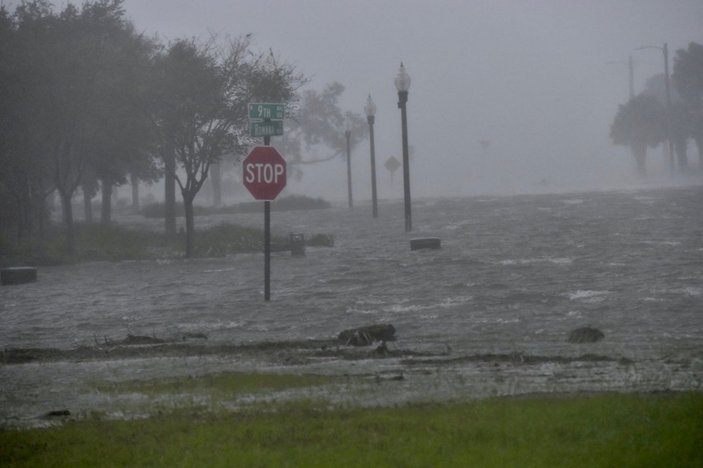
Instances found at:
x=347 y=134
x=370 y=109
x=402 y=84
x=631 y=74
x=665 y=52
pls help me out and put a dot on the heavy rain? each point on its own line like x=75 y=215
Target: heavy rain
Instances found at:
x=463 y=200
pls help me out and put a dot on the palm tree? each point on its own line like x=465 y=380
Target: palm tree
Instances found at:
x=688 y=81
x=639 y=123
x=679 y=120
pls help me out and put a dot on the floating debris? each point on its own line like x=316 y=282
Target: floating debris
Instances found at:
x=585 y=335
x=57 y=413
x=194 y=336
x=18 y=275
x=140 y=340
x=365 y=336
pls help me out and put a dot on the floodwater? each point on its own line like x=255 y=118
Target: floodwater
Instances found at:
x=487 y=314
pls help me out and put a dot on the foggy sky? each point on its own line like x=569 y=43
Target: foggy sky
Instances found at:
x=531 y=76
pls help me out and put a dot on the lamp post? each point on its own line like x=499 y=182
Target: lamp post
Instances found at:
x=347 y=134
x=402 y=84
x=665 y=52
x=631 y=74
x=370 y=109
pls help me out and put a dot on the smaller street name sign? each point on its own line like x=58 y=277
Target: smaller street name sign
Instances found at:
x=265 y=129
x=266 y=111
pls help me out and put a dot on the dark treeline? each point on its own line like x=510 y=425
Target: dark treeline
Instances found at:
x=89 y=103
x=644 y=121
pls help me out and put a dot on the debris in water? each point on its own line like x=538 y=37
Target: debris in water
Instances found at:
x=194 y=336
x=585 y=335
x=364 y=336
x=57 y=413
x=140 y=340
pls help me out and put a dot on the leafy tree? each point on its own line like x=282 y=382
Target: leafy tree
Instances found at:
x=122 y=138
x=68 y=58
x=681 y=130
x=678 y=122
x=142 y=169
x=688 y=81
x=202 y=109
x=57 y=93
x=315 y=132
x=24 y=180
x=640 y=123
x=70 y=81
x=688 y=73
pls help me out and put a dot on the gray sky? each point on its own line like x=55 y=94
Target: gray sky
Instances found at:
x=532 y=76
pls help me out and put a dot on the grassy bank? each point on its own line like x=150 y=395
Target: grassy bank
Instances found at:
x=289 y=203
x=591 y=430
x=114 y=243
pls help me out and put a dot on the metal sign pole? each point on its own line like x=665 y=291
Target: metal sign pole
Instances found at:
x=267 y=250
x=265 y=175
x=267 y=241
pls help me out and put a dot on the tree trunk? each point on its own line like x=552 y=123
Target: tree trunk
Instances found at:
x=169 y=192
x=67 y=211
x=134 y=182
x=216 y=179
x=21 y=208
x=699 y=143
x=680 y=148
x=639 y=151
x=190 y=224
x=42 y=202
x=87 y=204
x=106 y=207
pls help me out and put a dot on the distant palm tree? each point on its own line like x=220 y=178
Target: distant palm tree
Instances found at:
x=639 y=123
x=688 y=81
x=679 y=119
x=681 y=130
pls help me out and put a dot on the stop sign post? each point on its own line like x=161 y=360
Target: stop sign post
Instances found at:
x=264 y=175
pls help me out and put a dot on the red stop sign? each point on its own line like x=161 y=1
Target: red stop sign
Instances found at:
x=264 y=172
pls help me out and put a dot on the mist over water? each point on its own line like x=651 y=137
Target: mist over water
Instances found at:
x=545 y=225
x=540 y=81
x=513 y=277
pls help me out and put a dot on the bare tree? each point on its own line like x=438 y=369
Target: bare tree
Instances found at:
x=315 y=131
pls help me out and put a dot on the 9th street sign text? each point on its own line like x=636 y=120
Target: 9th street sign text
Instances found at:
x=266 y=111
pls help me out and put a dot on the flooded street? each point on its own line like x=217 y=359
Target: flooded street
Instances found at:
x=487 y=314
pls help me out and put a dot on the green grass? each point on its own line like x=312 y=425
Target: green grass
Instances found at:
x=598 y=430
x=114 y=243
x=93 y=242
x=288 y=203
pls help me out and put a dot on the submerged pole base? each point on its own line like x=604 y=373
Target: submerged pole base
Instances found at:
x=18 y=275
x=425 y=243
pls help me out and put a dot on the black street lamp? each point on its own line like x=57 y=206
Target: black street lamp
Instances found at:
x=665 y=52
x=347 y=134
x=402 y=84
x=370 y=109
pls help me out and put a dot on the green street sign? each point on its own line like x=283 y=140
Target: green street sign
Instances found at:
x=264 y=129
x=266 y=111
